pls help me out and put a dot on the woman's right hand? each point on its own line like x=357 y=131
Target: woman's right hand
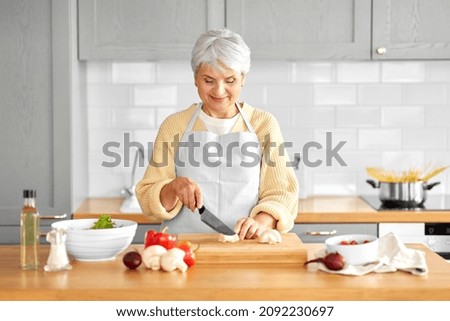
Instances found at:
x=183 y=189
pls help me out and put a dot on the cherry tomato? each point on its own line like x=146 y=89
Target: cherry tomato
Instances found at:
x=344 y=243
x=189 y=257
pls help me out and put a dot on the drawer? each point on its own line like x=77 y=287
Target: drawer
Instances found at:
x=318 y=233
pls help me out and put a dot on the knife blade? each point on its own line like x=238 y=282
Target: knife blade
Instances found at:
x=214 y=222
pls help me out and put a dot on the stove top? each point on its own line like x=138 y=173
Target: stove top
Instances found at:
x=433 y=203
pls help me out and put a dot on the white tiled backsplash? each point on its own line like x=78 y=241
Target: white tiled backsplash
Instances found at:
x=391 y=114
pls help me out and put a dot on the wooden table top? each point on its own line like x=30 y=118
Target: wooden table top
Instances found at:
x=203 y=282
x=315 y=209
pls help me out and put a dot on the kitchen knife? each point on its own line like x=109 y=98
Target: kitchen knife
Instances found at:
x=214 y=222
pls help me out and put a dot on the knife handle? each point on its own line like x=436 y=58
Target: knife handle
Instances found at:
x=201 y=209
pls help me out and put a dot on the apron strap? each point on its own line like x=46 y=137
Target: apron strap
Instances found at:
x=191 y=122
x=247 y=122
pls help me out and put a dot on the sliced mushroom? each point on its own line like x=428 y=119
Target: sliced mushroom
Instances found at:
x=228 y=238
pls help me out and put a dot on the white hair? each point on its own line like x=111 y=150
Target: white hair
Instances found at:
x=221 y=49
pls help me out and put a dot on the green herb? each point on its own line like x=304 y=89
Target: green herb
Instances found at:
x=103 y=222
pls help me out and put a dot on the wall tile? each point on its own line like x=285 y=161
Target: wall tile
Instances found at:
x=163 y=113
x=133 y=118
x=358 y=72
x=99 y=117
x=269 y=72
x=108 y=95
x=402 y=160
x=254 y=95
x=425 y=139
x=186 y=96
x=380 y=95
x=133 y=72
x=298 y=137
x=283 y=114
x=146 y=138
x=348 y=136
x=392 y=114
x=425 y=94
x=98 y=72
x=156 y=95
x=380 y=139
x=313 y=72
x=358 y=161
x=335 y=94
x=402 y=72
x=437 y=117
x=402 y=117
x=334 y=184
x=437 y=71
x=357 y=117
x=174 y=72
x=314 y=117
x=293 y=95
x=110 y=185
x=99 y=137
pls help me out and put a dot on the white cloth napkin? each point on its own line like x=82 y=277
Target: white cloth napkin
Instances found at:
x=393 y=255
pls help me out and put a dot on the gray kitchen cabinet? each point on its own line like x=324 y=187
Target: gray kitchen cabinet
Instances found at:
x=35 y=91
x=318 y=233
x=303 y=29
x=144 y=29
x=411 y=29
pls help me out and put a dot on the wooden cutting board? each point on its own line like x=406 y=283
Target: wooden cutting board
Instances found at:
x=211 y=251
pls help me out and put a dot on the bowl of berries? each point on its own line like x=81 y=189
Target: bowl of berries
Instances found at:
x=356 y=249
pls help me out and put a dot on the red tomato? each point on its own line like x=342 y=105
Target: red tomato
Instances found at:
x=166 y=240
x=344 y=243
x=353 y=242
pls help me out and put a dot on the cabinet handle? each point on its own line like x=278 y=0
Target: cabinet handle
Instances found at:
x=381 y=51
x=321 y=233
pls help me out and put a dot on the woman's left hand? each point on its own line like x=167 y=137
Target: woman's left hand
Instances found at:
x=252 y=227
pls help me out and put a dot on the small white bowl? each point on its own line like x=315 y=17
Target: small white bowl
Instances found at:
x=86 y=244
x=358 y=254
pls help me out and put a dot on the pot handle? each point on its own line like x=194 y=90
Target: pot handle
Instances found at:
x=372 y=183
x=430 y=186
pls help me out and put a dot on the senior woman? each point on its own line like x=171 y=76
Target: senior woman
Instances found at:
x=220 y=153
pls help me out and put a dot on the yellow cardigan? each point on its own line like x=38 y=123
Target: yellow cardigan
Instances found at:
x=278 y=192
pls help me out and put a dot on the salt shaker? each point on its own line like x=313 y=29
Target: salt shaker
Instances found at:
x=58 y=259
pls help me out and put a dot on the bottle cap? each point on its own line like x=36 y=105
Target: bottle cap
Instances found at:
x=29 y=193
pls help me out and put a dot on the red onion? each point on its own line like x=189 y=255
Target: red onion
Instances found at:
x=333 y=261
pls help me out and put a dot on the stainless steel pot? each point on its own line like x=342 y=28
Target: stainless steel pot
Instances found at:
x=402 y=194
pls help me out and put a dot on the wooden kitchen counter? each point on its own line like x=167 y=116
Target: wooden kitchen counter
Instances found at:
x=315 y=209
x=204 y=282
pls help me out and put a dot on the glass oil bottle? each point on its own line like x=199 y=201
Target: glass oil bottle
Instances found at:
x=29 y=232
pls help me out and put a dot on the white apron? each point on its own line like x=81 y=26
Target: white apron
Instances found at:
x=229 y=180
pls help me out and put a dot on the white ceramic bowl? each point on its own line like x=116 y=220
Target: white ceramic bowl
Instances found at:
x=86 y=244
x=359 y=254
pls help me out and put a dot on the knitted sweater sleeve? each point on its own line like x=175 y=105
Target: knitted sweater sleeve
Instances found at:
x=161 y=169
x=278 y=193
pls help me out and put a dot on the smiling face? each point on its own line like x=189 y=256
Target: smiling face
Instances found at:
x=219 y=90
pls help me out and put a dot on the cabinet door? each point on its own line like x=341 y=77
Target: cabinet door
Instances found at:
x=318 y=233
x=411 y=29
x=302 y=29
x=35 y=100
x=144 y=29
